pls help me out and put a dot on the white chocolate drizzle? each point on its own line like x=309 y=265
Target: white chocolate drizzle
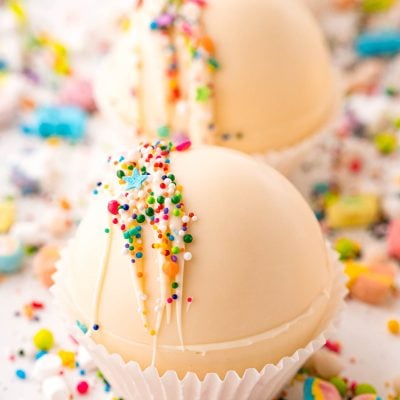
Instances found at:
x=100 y=281
x=149 y=195
x=171 y=34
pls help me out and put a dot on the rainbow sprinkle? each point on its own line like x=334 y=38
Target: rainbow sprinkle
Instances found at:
x=151 y=195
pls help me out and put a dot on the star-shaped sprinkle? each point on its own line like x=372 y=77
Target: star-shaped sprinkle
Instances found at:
x=135 y=181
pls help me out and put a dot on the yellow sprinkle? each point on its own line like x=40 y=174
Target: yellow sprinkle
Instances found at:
x=152 y=332
x=54 y=141
x=67 y=358
x=393 y=327
x=18 y=10
x=7 y=215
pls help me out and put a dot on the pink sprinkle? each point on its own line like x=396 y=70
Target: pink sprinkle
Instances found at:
x=165 y=217
x=184 y=145
x=82 y=387
x=187 y=29
x=200 y=3
x=169 y=300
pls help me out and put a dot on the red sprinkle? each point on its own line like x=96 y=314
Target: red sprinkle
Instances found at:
x=113 y=207
x=333 y=346
x=38 y=305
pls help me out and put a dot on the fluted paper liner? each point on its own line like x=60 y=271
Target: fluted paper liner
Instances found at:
x=131 y=382
x=288 y=159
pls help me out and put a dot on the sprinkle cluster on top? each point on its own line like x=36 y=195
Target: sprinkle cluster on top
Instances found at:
x=181 y=19
x=151 y=194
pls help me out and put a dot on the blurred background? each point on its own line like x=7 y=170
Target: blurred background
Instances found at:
x=50 y=51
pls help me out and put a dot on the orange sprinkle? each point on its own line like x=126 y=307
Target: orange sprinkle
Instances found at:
x=207 y=44
x=170 y=269
x=393 y=327
x=65 y=204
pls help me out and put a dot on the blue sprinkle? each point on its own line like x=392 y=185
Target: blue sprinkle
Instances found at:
x=139 y=254
x=174 y=296
x=153 y=25
x=95 y=191
x=82 y=372
x=39 y=354
x=81 y=326
x=375 y=44
x=20 y=373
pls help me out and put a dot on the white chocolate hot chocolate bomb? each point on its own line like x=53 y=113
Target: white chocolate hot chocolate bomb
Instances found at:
x=200 y=260
x=248 y=74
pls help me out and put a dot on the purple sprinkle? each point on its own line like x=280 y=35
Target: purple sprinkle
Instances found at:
x=166 y=210
x=127 y=245
x=184 y=228
x=134 y=216
x=165 y=20
x=174 y=258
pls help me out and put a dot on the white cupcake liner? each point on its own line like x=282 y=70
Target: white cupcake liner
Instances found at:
x=131 y=382
x=288 y=159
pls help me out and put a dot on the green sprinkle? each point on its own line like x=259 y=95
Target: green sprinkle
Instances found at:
x=174 y=285
x=175 y=250
x=213 y=63
x=203 y=93
x=340 y=384
x=376 y=6
x=151 y=200
x=386 y=142
x=120 y=174
x=149 y=212
x=176 y=198
x=160 y=199
x=188 y=238
x=365 y=388
x=163 y=131
x=140 y=218
x=172 y=177
x=176 y=212
x=107 y=230
x=131 y=232
x=130 y=167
